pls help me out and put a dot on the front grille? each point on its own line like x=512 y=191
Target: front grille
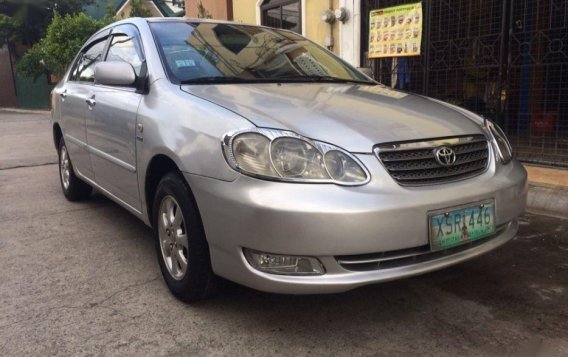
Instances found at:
x=414 y=163
x=406 y=257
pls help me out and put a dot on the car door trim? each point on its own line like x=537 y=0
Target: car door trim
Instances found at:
x=76 y=141
x=111 y=158
x=101 y=154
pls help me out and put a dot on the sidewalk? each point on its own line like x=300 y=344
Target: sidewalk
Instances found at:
x=548 y=190
x=24 y=111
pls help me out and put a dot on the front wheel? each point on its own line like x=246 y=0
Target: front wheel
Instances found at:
x=73 y=188
x=183 y=252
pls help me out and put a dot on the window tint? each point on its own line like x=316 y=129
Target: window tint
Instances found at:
x=84 y=70
x=124 y=48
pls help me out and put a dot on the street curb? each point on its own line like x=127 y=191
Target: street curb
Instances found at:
x=24 y=111
x=548 y=198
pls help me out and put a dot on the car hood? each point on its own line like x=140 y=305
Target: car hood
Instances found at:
x=352 y=116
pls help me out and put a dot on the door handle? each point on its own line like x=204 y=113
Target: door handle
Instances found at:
x=63 y=94
x=91 y=102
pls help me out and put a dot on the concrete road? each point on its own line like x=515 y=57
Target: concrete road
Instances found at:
x=82 y=279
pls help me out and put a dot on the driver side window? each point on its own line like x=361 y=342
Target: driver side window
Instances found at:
x=84 y=69
x=125 y=48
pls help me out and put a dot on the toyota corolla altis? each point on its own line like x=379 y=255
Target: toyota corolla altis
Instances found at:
x=258 y=156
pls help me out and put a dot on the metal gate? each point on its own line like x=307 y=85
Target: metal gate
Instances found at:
x=506 y=60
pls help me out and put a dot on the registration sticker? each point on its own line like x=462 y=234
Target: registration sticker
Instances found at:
x=459 y=225
x=185 y=63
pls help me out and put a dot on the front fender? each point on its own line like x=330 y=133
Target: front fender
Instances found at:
x=186 y=129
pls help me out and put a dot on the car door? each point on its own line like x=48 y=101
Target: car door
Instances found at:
x=111 y=123
x=73 y=96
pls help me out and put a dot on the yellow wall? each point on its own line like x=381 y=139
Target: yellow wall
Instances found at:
x=316 y=30
x=244 y=11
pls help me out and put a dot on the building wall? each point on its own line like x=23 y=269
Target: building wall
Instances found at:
x=219 y=9
x=316 y=29
x=247 y=11
x=7 y=89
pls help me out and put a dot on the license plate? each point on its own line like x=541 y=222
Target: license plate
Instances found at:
x=458 y=225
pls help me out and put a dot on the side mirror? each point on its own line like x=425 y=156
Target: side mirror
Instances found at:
x=115 y=73
x=366 y=71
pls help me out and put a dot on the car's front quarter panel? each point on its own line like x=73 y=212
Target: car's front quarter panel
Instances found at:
x=186 y=129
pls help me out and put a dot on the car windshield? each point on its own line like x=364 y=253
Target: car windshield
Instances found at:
x=201 y=53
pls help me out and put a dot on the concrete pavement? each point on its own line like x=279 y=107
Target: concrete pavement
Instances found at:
x=25 y=139
x=548 y=190
x=82 y=279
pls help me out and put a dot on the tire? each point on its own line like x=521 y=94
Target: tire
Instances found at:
x=73 y=187
x=181 y=246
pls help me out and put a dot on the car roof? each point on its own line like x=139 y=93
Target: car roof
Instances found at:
x=143 y=20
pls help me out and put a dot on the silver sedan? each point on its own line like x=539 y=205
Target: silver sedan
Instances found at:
x=260 y=157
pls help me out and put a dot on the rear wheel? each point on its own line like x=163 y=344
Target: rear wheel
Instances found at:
x=183 y=252
x=73 y=187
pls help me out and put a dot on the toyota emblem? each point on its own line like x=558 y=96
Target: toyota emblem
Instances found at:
x=445 y=156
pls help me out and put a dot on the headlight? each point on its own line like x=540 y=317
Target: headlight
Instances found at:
x=287 y=156
x=500 y=142
x=342 y=167
x=296 y=158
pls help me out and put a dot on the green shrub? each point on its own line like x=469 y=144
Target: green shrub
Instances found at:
x=138 y=9
x=64 y=38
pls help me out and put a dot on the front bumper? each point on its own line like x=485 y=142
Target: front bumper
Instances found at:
x=327 y=221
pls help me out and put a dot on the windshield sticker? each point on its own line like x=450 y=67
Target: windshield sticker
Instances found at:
x=185 y=63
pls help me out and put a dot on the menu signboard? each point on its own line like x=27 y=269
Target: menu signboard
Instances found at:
x=395 y=31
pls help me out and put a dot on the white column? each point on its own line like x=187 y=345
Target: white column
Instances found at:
x=257 y=9
x=350 y=33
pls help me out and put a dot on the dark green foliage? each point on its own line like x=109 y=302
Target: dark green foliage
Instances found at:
x=65 y=36
x=138 y=9
x=25 y=21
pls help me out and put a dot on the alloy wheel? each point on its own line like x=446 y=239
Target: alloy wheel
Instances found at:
x=64 y=167
x=173 y=237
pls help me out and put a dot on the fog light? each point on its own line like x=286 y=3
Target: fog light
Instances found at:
x=283 y=264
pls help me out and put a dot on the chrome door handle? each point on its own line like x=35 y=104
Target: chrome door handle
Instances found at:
x=63 y=94
x=91 y=102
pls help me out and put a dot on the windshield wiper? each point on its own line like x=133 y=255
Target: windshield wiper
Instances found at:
x=287 y=79
x=220 y=80
x=324 y=79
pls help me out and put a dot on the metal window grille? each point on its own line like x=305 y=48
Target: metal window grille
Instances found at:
x=506 y=60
